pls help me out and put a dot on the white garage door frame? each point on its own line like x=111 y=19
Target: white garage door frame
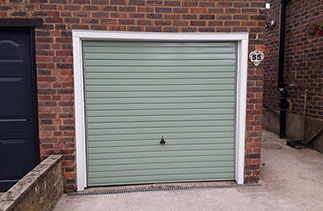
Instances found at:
x=242 y=65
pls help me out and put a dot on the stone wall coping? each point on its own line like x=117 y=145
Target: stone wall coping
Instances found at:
x=9 y=199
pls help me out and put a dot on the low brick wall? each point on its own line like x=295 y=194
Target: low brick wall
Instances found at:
x=39 y=190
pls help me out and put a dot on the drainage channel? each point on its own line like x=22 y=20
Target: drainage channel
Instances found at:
x=161 y=189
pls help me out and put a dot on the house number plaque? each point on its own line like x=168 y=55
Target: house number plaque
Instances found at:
x=256 y=57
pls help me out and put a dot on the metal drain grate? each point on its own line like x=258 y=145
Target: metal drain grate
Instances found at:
x=161 y=189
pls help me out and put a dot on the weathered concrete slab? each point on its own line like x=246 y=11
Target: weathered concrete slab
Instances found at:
x=291 y=181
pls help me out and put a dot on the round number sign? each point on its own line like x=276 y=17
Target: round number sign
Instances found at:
x=256 y=57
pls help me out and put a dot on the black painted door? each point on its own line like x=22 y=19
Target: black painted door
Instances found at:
x=18 y=153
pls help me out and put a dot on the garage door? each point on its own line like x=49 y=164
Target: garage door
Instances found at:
x=139 y=94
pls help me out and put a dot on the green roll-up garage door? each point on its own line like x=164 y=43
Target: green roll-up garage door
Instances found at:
x=138 y=92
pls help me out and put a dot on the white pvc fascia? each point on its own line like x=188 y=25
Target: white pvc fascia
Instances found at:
x=242 y=65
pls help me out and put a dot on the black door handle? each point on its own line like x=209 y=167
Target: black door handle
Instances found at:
x=162 y=141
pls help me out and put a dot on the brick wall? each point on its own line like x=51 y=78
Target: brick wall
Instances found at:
x=303 y=58
x=54 y=55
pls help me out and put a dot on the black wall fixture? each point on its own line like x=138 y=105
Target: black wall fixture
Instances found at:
x=281 y=84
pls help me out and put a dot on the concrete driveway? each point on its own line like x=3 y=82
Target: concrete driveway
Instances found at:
x=291 y=180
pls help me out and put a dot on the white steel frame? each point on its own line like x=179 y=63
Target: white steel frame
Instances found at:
x=242 y=67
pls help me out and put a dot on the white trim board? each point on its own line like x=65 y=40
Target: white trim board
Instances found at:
x=242 y=60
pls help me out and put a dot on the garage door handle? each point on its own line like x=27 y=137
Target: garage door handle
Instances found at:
x=162 y=141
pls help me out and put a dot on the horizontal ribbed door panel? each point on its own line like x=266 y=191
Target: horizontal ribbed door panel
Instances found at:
x=137 y=92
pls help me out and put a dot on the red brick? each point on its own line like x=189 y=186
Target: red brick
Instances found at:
x=189 y=16
x=118 y=2
x=189 y=29
x=241 y=4
x=215 y=23
x=171 y=16
x=231 y=23
x=240 y=17
x=127 y=22
x=206 y=4
x=232 y=11
x=172 y=3
x=100 y=15
x=170 y=29
x=206 y=29
x=90 y=8
x=197 y=23
x=145 y=9
x=223 y=29
x=215 y=10
x=224 y=4
x=207 y=17
x=153 y=29
x=110 y=8
x=127 y=9
x=163 y=23
x=180 y=10
x=104 y=2
x=180 y=23
x=224 y=17
x=257 y=4
x=144 y=22
x=163 y=9
x=136 y=15
x=198 y=10
x=190 y=3
x=154 y=16
x=137 y=2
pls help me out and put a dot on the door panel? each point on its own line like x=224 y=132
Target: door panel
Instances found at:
x=138 y=92
x=17 y=125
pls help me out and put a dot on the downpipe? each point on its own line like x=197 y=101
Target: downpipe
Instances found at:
x=281 y=86
x=283 y=111
x=304 y=116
